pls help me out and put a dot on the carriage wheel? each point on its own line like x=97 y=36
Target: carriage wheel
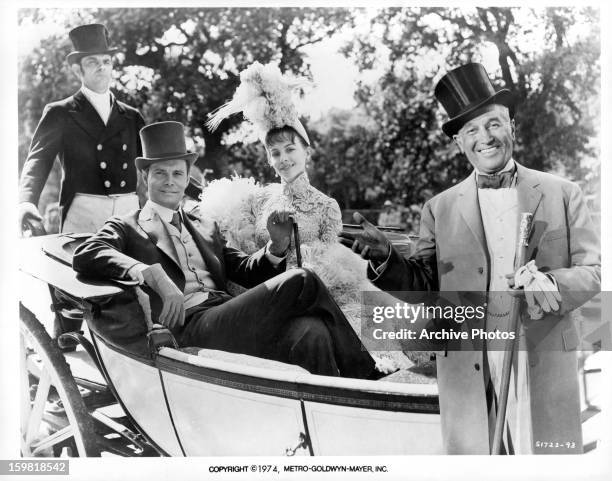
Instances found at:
x=53 y=414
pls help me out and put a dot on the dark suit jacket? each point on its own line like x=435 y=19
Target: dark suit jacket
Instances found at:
x=140 y=236
x=89 y=151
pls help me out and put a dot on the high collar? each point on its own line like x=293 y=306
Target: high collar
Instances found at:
x=297 y=186
x=164 y=213
x=98 y=99
x=509 y=166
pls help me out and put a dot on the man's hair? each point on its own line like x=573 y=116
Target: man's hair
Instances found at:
x=283 y=134
x=146 y=168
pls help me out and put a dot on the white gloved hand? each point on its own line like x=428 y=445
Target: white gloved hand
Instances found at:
x=541 y=292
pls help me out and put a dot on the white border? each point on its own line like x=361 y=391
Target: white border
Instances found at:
x=593 y=467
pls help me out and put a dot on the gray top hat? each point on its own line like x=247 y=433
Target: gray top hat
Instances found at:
x=163 y=141
x=89 y=40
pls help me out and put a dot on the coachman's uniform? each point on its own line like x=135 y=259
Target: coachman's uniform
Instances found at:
x=97 y=159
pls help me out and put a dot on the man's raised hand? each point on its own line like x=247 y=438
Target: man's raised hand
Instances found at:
x=369 y=243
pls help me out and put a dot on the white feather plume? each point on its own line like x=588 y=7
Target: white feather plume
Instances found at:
x=264 y=96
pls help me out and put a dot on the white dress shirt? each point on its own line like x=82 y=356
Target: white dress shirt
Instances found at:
x=103 y=103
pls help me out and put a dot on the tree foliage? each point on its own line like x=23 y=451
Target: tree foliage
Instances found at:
x=555 y=84
x=182 y=63
x=176 y=63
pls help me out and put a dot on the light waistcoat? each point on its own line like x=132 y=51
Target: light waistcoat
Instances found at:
x=198 y=281
x=499 y=211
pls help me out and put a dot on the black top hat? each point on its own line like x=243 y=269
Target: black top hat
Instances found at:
x=163 y=141
x=464 y=90
x=89 y=40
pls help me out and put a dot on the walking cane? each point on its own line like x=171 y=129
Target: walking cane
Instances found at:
x=515 y=311
x=296 y=237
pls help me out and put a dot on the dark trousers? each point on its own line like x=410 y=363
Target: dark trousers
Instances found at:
x=290 y=318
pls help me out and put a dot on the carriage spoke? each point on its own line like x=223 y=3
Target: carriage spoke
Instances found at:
x=57 y=415
x=26 y=405
x=36 y=414
x=55 y=438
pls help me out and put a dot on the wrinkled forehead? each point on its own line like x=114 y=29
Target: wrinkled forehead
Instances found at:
x=487 y=113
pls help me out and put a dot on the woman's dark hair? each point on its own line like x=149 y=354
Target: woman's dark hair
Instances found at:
x=283 y=134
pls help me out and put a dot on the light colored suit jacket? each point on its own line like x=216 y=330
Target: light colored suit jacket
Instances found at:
x=452 y=255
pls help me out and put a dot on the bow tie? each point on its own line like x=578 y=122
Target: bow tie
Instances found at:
x=495 y=181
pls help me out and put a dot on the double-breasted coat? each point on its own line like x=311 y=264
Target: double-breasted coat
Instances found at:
x=95 y=158
x=452 y=255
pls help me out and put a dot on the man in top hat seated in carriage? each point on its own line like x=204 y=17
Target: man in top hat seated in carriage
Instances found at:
x=468 y=243
x=183 y=264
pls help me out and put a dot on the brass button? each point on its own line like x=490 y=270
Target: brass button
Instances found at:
x=477 y=366
x=122 y=184
x=107 y=183
x=103 y=165
x=124 y=166
x=124 y=147
x=99 y=147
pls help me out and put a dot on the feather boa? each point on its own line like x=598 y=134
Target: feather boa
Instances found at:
x=230 y=203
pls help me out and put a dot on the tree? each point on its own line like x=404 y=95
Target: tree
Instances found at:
x=555 y=85
x=176 y=63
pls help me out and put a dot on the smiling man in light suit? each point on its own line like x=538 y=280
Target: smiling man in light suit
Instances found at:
x=182 y=262
x=467 y=243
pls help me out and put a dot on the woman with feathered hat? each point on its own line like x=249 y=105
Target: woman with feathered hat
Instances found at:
x=242 y=207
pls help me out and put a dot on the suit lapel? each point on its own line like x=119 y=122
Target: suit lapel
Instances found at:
x=470 y=211
x=204 y=242
x=116 y=122
x=529 y=197
x=151 y=223
x=86 y=116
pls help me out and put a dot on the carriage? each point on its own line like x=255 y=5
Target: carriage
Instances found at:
x=102 y=397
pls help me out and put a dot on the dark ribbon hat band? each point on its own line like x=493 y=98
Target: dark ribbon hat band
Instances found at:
x=464 y=90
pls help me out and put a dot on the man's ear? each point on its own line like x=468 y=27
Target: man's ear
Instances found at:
x=513 y=129
x=457 y=141
x=76 y=70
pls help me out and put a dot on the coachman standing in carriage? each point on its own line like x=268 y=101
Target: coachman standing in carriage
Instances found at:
x=96 y=138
